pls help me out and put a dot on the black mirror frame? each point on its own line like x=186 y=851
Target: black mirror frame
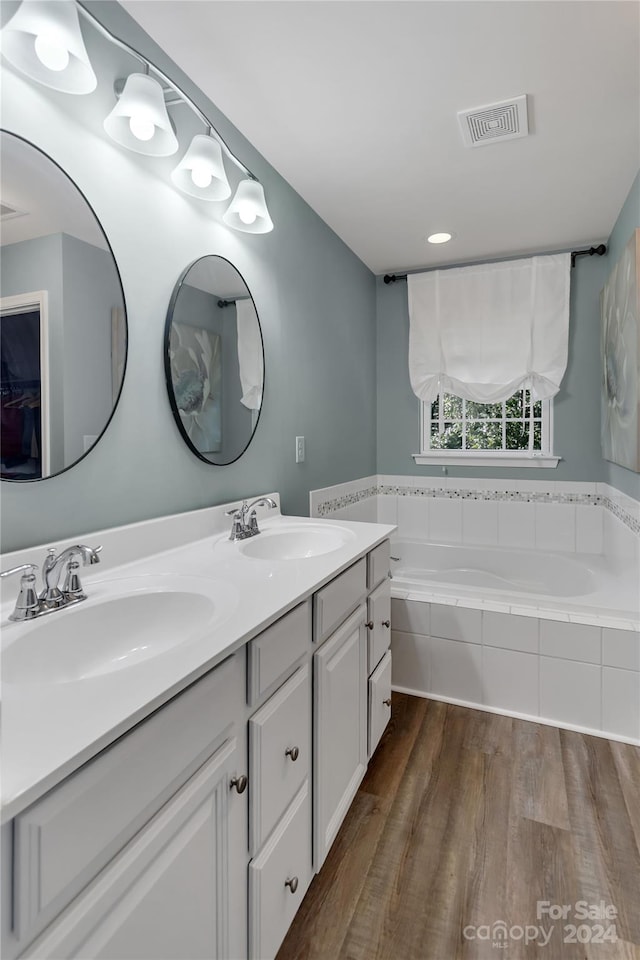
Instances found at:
x=167 y=364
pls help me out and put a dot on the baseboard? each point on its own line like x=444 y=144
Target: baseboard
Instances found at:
x=518 y=716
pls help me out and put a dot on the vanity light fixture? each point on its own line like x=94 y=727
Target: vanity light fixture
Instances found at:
x=439 y=237
x=139 y=120
x=43 y=40
x=201 y=171
x=248 y=209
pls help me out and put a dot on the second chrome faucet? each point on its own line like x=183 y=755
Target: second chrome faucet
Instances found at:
x=244 y=519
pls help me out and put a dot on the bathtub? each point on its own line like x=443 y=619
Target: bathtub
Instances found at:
x=569 y=583
x=544 y=636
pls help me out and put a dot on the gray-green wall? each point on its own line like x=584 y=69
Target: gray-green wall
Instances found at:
x=576 y=407
x=318 y=305
x=315 y=299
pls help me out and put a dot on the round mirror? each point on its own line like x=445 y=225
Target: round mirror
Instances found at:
x=214 y=360
x=63 y=331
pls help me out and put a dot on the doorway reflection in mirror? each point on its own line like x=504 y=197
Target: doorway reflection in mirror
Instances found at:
x=62 y=318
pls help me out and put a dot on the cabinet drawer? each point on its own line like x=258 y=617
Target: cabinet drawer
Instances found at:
x=335 y=602
x=379 y=694
x=378 y=564
x=378 y=624
x=286 y=857
x=283 y=723
x=275 y=652
x=64 y=840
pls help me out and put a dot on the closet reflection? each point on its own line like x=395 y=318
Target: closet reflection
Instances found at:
x=214 y=360
x=62 y=319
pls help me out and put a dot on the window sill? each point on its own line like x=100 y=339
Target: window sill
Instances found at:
x=482 y=459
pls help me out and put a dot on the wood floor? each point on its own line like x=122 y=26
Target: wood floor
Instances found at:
x=465 y=819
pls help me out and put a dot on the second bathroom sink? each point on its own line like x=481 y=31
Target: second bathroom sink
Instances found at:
x=296 y=542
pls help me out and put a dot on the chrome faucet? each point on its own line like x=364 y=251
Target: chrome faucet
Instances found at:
x=245 y=521
x=29 y=604
x=52 y=597
x=253 y=520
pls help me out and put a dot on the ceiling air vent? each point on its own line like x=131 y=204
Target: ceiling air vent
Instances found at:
x=8 y=213
x=497 y=121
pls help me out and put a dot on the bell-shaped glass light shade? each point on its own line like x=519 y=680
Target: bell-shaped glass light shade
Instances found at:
x=248 y=209
x=43 y=40
x=201 y=172
x=139 y=120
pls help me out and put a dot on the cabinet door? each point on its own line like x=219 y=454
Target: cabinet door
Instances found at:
x=64 y=840
x=279 y=754
x=340 y=728
x=378 y=624
x=171 y=892
x=379 y=701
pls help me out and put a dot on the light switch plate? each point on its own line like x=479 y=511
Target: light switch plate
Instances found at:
x=299 y=449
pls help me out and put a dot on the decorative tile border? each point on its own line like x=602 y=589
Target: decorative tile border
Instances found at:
x=520 y=496
x=347 y=500
x=451 y=493
x=629 y=521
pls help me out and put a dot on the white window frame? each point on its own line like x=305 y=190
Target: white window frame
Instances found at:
x=488 y=458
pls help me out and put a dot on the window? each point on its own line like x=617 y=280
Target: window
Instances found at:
x=516 y=431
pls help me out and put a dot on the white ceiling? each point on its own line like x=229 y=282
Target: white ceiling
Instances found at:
x=354 y=102
x=49 y=201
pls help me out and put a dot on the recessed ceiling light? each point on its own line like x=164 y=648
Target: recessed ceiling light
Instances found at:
x=439 y=237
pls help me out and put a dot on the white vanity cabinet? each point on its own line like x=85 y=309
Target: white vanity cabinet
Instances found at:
x=142 y=852
x=197 y=833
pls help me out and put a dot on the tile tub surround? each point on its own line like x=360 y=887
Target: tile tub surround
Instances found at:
x=542 y=662
x=507 y=512
x=573 y=675
x=356 y=498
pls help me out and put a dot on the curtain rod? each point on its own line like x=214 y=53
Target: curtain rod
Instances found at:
x=228 y=303
x=600 y=250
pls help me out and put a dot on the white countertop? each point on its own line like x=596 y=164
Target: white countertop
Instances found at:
x=49 y=729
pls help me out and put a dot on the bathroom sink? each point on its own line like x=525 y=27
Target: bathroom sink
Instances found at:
x=122 y=624
x=296 y=542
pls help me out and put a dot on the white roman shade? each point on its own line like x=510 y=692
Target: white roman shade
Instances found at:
x=250 y=358
x=483 y=332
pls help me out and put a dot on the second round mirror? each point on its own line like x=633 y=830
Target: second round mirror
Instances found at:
x=214 y=360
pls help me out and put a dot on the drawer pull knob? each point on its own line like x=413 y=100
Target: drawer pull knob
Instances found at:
x=292 y=883
x=369 y=624
x=387 y=703
x=240 y=783
x=386 y=623
x=292 y=752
